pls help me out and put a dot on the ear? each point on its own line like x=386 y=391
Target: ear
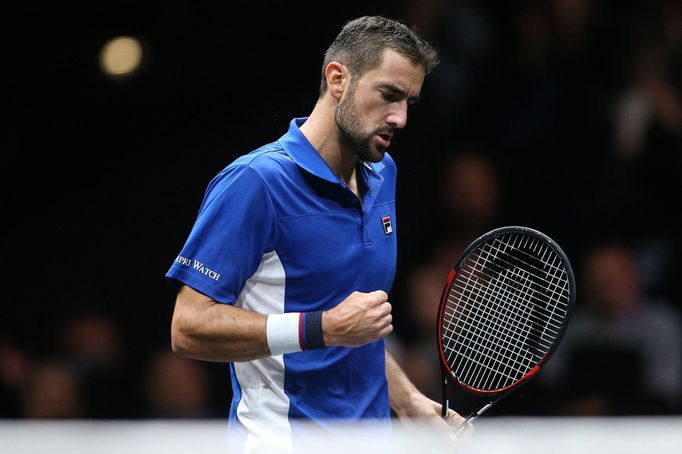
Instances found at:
x=337 y=76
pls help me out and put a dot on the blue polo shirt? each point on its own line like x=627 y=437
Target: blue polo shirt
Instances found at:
x=278 y=232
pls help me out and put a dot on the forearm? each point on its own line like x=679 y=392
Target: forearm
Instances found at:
x=206 y=330
x=409 y=403
x=401 y=390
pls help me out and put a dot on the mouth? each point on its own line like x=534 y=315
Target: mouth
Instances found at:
x=385 y=138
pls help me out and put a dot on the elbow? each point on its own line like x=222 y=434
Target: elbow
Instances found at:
x=180 y=340
x=178 y=346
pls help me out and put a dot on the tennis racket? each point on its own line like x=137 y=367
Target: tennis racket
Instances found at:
x=503 y=312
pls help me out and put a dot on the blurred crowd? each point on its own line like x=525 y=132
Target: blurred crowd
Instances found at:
x=91 y=372
x=565 y=116
x=562 y=115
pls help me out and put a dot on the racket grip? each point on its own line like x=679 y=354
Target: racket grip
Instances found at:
x=467 y=422
x=446 y=401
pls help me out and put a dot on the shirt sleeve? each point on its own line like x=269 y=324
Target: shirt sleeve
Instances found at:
x=234 y=228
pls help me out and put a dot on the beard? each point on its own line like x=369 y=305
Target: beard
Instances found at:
x=354 y=135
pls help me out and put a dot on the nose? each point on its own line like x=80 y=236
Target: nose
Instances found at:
x=398 y=116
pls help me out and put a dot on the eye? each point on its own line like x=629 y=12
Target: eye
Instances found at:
x=390 y=96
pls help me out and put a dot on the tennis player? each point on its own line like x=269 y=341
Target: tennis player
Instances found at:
x=286 y=271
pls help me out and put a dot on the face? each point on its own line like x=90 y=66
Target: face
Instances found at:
x=375 y=106
x=611 y=280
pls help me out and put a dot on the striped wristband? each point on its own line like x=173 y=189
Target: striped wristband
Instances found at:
x=294 y=332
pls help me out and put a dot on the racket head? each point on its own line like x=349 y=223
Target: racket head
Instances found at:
x=504 y=309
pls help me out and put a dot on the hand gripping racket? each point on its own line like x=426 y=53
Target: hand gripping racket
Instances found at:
x=503 y=312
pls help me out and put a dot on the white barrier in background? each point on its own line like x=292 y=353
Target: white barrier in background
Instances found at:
x=493 y=434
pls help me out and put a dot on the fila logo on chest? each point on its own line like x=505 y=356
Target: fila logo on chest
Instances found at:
x=388 y=227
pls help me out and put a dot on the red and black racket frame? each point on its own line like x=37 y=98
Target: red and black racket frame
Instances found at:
x=446 y=372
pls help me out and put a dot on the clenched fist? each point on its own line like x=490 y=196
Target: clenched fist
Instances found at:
x=359 y=319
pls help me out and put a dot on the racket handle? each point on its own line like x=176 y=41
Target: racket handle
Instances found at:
x=467 y=422
x=446 y=399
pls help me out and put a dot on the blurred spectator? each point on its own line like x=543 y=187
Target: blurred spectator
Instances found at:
x=622 y=353
x=651 y=99
x=91 y=342
x=469 y=196
x=177 y=387
x=52 y=393
x=92 y=338
x=645 y=160
x=15 y=372
x=651 y=102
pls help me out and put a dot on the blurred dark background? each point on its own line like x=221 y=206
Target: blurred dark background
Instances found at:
x=562 y=115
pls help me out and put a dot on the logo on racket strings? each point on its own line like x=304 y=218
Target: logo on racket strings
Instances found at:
x=386 y=222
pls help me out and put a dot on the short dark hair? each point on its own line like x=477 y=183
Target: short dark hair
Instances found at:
x=361 y=41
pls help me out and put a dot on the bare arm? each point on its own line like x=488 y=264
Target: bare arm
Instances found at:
x=205 y=329
x=401 y=391
x=408 y=402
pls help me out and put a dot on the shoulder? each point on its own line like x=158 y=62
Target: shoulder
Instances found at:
x=246 y=176
x=259 y=163
x=264 y=159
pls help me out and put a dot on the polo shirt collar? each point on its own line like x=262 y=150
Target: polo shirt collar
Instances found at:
x=306 y=156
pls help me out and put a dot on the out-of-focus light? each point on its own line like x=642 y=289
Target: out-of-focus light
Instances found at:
x=121 y=56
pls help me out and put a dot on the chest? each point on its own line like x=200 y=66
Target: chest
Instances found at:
x=331 y=245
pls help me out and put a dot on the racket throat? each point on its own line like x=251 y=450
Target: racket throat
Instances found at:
x=467 y=422
x=481 y=411
x=475 y=415
x=446 y=399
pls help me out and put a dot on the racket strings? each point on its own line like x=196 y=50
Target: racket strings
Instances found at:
x=555 y=289
x=460 y=290
x=504 y=310
x=494 y=331
x=500 y=292
x=495 y=353
x=523 y=325
x=499 y=332
x=501 y=324
x=551 y=280
x=500 y=355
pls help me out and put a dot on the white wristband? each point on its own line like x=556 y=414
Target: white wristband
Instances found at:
x=283 y=333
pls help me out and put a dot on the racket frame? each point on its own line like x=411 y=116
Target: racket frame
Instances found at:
x=446 y=372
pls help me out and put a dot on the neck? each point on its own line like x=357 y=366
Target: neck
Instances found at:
x=321 y=131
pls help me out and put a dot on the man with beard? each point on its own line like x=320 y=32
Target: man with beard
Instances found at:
x=286 y=271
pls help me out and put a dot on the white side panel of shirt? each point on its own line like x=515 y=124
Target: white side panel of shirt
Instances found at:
x=264 y=407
